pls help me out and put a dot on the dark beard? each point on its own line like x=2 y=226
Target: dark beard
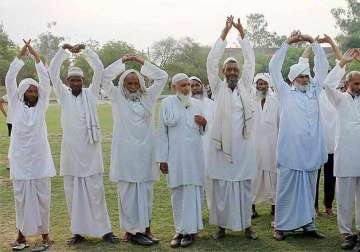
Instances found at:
x=30 y=103
x=232 y=84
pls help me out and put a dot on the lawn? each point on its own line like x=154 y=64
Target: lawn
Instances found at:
x=162 y=223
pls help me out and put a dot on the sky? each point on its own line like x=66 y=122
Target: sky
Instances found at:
x=141 y=22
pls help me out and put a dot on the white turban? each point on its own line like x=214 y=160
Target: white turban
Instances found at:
x=227 y=60
x=302 y=67
x=195 y=78
x=262 y=76
x=24 y=85
x=75 y=71
x=179 y=77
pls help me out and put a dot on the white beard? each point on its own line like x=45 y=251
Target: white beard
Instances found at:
x=301 y=88
x=135 y=97
x=184 y=99
x=261 y=94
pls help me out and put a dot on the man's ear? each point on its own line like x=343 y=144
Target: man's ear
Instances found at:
x=223 y=70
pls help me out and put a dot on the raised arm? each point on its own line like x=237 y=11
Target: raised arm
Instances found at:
x=331 y=82
x=321 y=64
x=334 y=77
x=109 y=74
x=97 y=66
x=215 y=54
x=275 y=67
x=159 y=76
x=248 y=71
x=54 y=71
x=10 y=79
x=42 y=73
x=330 y=41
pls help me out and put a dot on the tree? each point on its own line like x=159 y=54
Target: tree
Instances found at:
x=349 y=23
x=164 y=51
x=7 y=53
x=257 y=30
x=47 y=43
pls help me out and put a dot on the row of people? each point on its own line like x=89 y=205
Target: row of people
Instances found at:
x=217 y=145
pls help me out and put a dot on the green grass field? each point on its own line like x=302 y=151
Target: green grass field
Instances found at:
x=162 y=223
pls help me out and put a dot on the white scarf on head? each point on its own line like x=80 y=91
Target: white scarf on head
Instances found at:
x=139 y=95
x=222 y=124
x=24 y=85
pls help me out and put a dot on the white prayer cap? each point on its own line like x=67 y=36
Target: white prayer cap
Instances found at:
x=262 y=76
x=24 y=85
x=179 y=77
x=298 y=69
x=229 y=59
x=195 y=78
x=75 y=71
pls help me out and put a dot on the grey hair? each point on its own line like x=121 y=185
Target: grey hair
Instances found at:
x=351 y=74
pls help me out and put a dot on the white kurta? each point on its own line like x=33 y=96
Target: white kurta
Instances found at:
x=31 y=163
x=328 y=120
x=300 y=147
x=346 y=156
x=181 y=147
x=301 y=144
x=132 y=149
x=230 y=200
x=29 y=150
x=81 y=161
x=133 y=164
x=79 y=157
x=347 y=140
x=266 y=132
x=243 y=149
x=180 y=142
x=208 y=107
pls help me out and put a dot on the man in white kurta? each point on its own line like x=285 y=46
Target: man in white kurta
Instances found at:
x=231 y=157
x=133 y=165
x=347 y=145
x=300 y=148
x=208 y=106
x=180 y=154
x=81 y=161
x=266 y=129
x=31 y=163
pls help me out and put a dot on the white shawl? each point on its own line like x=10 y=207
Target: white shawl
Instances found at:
x=222 y=124
x=92 y=121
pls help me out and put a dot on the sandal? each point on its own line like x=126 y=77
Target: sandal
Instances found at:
x=18 y=246
x=44 y=246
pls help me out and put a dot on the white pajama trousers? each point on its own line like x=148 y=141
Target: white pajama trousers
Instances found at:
x=32 y=205
x=347 y=193
x=85 y=198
